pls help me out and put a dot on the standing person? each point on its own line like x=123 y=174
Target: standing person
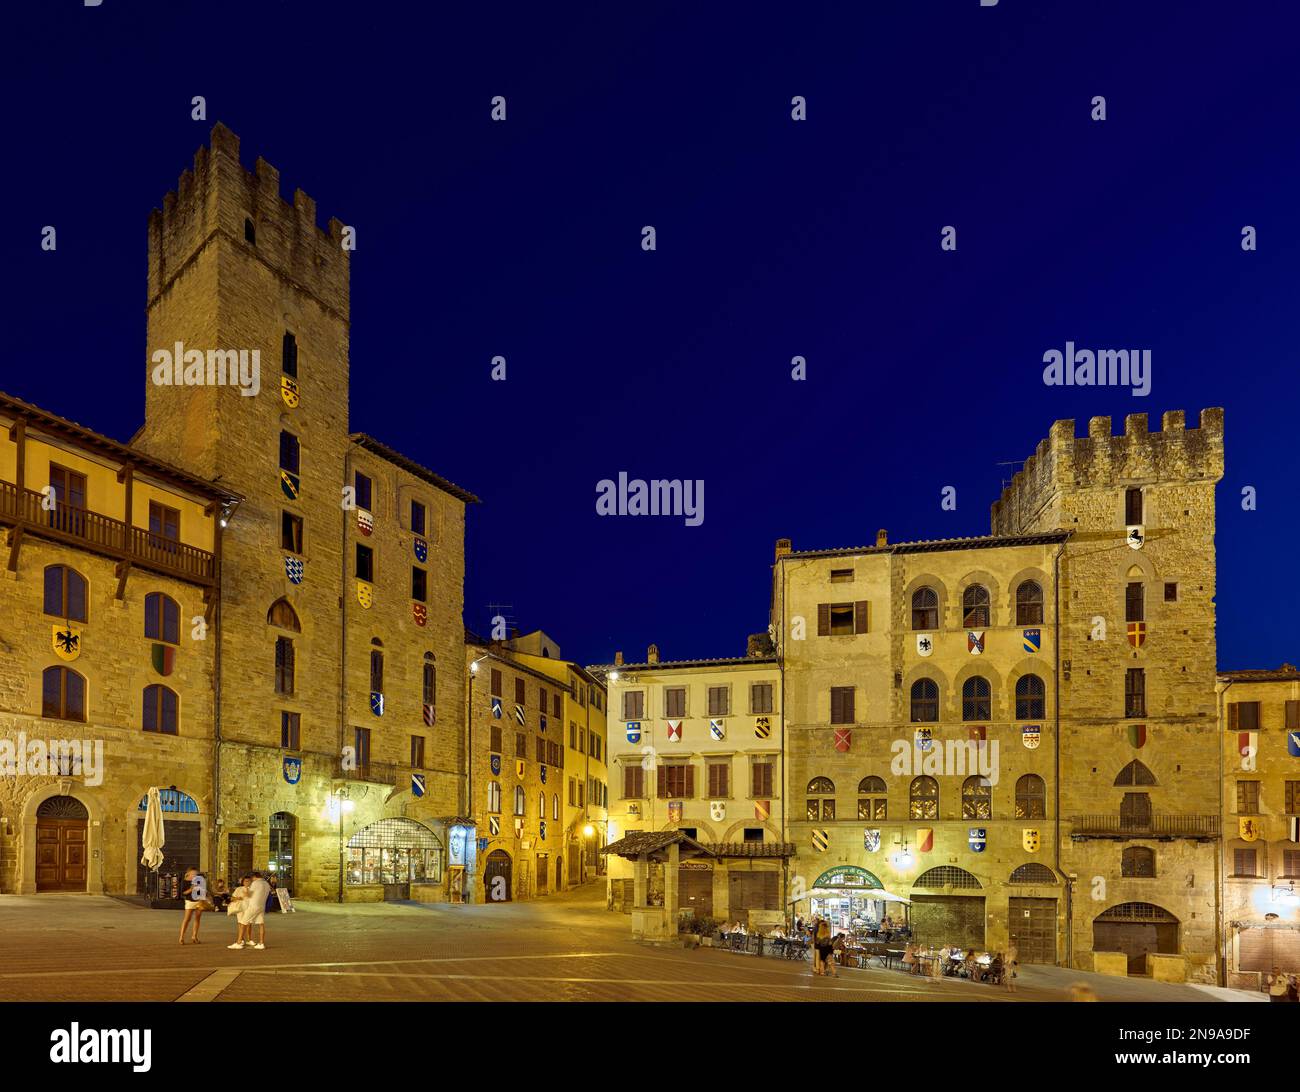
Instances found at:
x=194 y=890
x=1292 y=988
x=254 y=914
x=235 y=908
x=1010 y=966
x=1277 y=985
x=825 y=947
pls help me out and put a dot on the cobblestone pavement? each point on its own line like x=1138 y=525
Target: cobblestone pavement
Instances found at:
x=565 y=947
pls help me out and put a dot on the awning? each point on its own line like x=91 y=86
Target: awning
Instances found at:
x=871 y=894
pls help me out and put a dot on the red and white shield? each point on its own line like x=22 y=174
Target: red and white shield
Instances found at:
x=843 y=739
x=421 y=613
x=365 y=522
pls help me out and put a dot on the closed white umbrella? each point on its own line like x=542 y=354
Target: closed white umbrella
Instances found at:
x=152 y=841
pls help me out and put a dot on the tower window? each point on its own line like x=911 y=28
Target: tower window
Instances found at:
x=1133 y=506
x=288 y=451
x=417 y=517
x=289 y=355
x=290 y=532
x=363 y=489
x=365 y=563
x=250 y=231
x=1134 y=602
x=419 y=584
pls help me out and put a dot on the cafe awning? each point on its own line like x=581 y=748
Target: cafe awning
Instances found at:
x=871 y=894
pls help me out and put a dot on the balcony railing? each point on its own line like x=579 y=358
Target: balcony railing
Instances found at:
x=1144 y=826
x=376 y=773
x=104 y=535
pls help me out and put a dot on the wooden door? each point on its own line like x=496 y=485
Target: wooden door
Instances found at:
x=1031 y=924
x=61 y=854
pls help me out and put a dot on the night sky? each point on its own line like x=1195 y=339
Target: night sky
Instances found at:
x=775 y=238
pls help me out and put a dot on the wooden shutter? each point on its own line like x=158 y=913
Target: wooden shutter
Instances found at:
x=661 y=786
x=690 y=783
x=848 y=703
x=520 y=695
x=860 y=616
x=496 y=683
x=837 y=705
x=823 y=619
x=1232 y=716
x=1293 y=714
x=555 y=705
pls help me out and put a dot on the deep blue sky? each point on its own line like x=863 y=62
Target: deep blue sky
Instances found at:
x=775 y=239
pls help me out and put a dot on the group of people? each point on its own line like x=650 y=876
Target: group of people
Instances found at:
x=1282 y=987
x=247 y=904
x=1000 y=968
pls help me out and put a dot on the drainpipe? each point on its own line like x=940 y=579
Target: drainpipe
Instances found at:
x=785 y=835
x=1056 y=711
x=343 y=671
x=216 y=701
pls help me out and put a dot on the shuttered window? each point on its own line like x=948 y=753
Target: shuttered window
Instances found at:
x=496 y=683
x=1133 y=506
x=1134 y=602
x=633 y=783
x=760 y=698
x=719 y=701
x=842 y=619
x=1243 y=716
x=521 y=694
x=1135 y=692
x=676 y=782
x=1247 y=797
x=633 y=704
x=1292 y=715
x=842 y=705
x=1243 y=862
x=719 y=779
x=761 y=779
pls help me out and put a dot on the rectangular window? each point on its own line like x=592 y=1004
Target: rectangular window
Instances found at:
x=582 y=798
x=1243 y=716
x=573 y=736
x=719 y=701
x=1135 y=692
x=521 y=692
x=573 y=792
x=364 y=489
x=541 y=750
x=842 y=619
x=760 y=697
x=676 y=782
x=719 y=779
x=841 y=576
x=1133 y=506
x=417 y=518
x=1171 y=593
x=1292 y=715
x=496 y=682
x=1291 y=863
x=1243 y=862
x=65 y=593
x=761 y=779
x=842 y=704
x=541 y=699
x=429 y=687
x=674 y=701
x=633 y=783
x=1134 y=602
x=365 y=563
x=361 y=744
x=417 y=752
x=494 y=739
x=633 y=704
x=69 y=491
x=419 y=584
x=289 y=355
x=164 y=523
x=1247 y=797
x=1293 y=797
x=291 y=532
x=376 y=671
x=290 y=730
x=521 y=745
x=284 y=665
x=288 y=452
x=555 y=704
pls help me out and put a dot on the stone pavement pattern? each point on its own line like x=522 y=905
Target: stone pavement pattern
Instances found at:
x=563 y=948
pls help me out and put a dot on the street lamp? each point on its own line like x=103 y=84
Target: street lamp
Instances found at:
x=469 y=739
x=339 y=805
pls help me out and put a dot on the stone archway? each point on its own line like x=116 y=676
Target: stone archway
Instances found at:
x=62 y=844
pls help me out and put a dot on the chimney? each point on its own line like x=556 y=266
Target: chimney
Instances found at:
x=882 y=537
x=782 y=548
x=652 y=654
x=618 y=659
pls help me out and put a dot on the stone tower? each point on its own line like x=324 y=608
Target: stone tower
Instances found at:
x=1136 y=742
x=234 y=267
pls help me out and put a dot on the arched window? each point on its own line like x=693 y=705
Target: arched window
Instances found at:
x=923 y=798
x=925 y=701
x=946 y=876
x=284 y=665
x=977 y=798
x=1031 y=700
x=376 y=671
x=289 y=355
x=821 y=798
x=975 y=606
x=873 y=803
x=541 y=805
x=283 y=616
x=1135 y=812
x=519 y=800
x=1135 y=773
x=162 y=618
x=925 y=609
x=1029 y=604
x=65 y=593
x=63 y=694
x=250 y=232
x=430 y=690
x=555 y=806
x=976 y=699
x=1138 y=862
x=160 y=708
x=1031 y=797
x=494 y=797
x=1033 y=873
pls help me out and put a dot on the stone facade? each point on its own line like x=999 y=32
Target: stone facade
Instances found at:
x=1260 y=721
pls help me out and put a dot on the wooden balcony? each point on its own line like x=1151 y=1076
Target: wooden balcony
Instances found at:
x=373 y=773
x=80 y=527
x=1153 y=827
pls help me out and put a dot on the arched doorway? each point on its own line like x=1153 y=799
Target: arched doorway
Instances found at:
x=280 y=855
x=948 y=918
x=62 y=824
x=1136 y=929
x=182 y=833
x=498 y=877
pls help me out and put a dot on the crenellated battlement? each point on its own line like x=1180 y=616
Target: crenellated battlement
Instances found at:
x=217 y=196
x=1137 y=456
